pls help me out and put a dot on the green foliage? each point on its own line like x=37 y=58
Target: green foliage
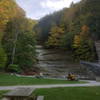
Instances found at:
x=16 y=35
x=84 y=46
x=8 y=10
x=25 y=51
x=71 y=19
x=67 y=41
x=13 y=68
x=3 y=58
x=2 y=92
x=19 y=43
x=45 y=24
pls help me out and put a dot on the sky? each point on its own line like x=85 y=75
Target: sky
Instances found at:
x=36 y=9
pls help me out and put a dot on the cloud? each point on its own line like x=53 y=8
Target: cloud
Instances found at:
x=56 y=4
x=36 y=9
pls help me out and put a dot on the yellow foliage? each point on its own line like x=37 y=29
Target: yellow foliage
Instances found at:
x=56 y=35
x=8 y=9
x=77 y=41
x=84 y=34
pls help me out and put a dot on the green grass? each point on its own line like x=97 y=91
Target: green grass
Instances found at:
x=9 y=80
x=1 y=93
x=70 y=93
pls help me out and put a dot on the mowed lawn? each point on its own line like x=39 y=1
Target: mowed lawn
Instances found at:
x=70 y=93
x=9 y=80
x=1 y=93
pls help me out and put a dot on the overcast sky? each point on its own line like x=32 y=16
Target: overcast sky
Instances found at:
x=36 y=9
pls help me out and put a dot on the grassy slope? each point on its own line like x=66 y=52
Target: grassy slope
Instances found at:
x=8 y=80
x=70 y=93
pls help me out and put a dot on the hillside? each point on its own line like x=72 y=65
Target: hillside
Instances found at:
x=75 y=28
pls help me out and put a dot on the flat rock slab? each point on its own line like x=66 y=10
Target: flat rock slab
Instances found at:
x=20 y=92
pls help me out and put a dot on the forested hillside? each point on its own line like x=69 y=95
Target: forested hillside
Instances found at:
x=74 y=29
x=17 y=38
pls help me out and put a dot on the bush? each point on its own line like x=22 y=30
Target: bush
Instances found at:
x=14 y=68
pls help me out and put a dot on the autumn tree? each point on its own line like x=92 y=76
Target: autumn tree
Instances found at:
x=8 y=10
x=16 y=36
x=56 y=34
x=83 y=45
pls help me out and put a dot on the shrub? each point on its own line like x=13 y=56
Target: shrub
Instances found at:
x=14 y=68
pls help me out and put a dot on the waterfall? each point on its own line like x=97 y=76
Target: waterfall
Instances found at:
x=55 y=62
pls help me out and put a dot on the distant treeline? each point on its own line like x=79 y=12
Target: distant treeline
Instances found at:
x=74 y=28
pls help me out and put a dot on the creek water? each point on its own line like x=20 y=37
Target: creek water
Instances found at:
x=55 y=62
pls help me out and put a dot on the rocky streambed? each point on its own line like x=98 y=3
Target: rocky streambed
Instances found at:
x=55 y=62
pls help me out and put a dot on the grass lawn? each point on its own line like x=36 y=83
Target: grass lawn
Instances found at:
x=70 y=93
x=9 y=80
x=1 y=93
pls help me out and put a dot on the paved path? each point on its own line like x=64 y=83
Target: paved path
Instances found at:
x=91 y=83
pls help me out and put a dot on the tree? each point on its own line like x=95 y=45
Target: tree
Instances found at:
x=83 y=45
x=25 y=52
x=3 y=58
x=56 y=34
x=8 y=10
x=19 y=43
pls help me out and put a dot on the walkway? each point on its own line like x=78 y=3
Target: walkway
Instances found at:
x=91 y=83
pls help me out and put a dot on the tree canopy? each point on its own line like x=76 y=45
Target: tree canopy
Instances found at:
x=17 y=37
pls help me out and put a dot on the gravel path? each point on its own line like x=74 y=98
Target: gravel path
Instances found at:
x=90 y=83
